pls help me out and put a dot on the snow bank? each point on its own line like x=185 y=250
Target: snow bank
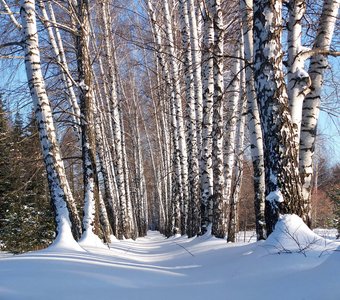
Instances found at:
x=64 y=242
x=89 y=239
x=292 y=235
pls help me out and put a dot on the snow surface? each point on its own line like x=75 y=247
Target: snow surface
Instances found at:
x=178 y=268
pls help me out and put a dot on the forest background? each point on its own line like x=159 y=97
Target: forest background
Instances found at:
x=161 y=134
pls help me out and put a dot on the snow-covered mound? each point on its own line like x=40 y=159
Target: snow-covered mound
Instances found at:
x=64 y=242
x=89 y=239
x=292 y=235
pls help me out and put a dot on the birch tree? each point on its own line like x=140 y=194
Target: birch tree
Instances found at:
x=219 y=226
x=178 y=123
x=193 y=217
x=283 y=187
x=60 y=192
x=208 y=94
x=239 y=157
x=196 y=58
x=311 y=104
x=254 y=123
x=297 y=77
x=86 y=97
x=230 y=128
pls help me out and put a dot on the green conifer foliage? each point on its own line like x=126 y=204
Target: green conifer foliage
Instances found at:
x=26 y=218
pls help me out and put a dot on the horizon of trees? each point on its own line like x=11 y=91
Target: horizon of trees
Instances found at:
x=149 y=112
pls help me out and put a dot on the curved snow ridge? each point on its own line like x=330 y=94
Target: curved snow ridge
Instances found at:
x=292 y=235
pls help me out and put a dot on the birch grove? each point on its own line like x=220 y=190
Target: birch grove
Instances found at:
x=166 y=102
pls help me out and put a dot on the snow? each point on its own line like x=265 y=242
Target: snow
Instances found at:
x=301 y=73
x=154 y=267
x=64 y=242
x=292 y=235
x=83 y=85
x=89 y=239
x=275 y=197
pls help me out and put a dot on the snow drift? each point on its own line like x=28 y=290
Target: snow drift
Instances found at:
x=292 y=235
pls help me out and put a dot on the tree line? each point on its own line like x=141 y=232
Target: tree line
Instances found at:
x=155 y=103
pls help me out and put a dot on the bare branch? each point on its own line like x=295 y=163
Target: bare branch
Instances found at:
x=11 y=15
x=10 y=44
x=308 y=54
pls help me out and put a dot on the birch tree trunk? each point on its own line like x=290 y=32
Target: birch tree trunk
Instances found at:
x=179 y=137
x=131 y=231
x=140 y=186
x=231 y=126
x=283 y=187
x=86 y=97
x=219 y=224
x=254 y=123
x=60 y=192
x=104 y=169
x=104 y=138
x=298 y=78
x=104 y=219
x=193 y=218
x=208 y=95
x=311 y=104
x=196 y=58
x=239 y=156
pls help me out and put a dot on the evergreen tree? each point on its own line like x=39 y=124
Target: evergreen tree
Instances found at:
x=26 y=214
x=4 y=166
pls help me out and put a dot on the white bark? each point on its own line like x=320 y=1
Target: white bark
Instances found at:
x=219 y=224
x=140 y=185
x=58 y=185
x=298 y=78
x=191 y=210
x=239 y=153
x=231 y=124
x=254 y=124
x=281 y=163
x=86 y=96
x=104 y=139
x=181 y=156
x=208 y=94
x=311 y=105
x=104 y=219
x=196 y=58
x=129 y=209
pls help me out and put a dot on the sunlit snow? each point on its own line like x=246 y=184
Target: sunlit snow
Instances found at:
x=155 y=267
